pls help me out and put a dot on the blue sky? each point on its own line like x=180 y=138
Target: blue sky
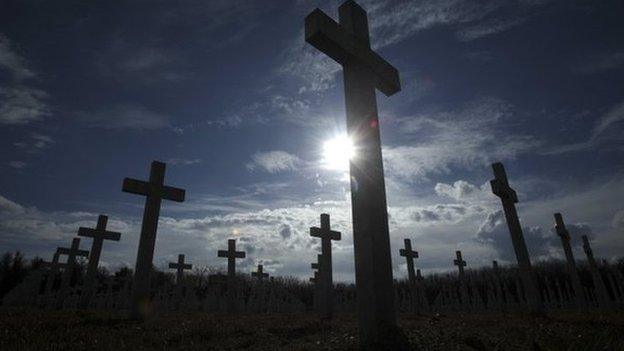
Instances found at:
x=240 y=108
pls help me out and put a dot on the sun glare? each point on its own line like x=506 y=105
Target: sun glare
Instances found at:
x=337 y=152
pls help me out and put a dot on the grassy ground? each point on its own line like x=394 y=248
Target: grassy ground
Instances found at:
x=30 y=329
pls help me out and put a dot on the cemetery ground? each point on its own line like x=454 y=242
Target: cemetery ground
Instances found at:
x=36 y=329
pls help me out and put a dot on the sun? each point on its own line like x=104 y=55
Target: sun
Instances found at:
x=337 y=152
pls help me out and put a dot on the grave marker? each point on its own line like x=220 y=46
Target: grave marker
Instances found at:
x=563 y=233
x=601 y=290
x=154 y=191
x=327 y=285
x=409 y=255
x=260 y=274
x=509 y=198
x=231 y=254
x=72 y=252
x=364 y=71
x=99 y=234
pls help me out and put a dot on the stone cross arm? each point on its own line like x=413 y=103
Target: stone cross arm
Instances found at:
x=500 y=185
x=179 y=265
x=74 y=251
x=459 y=261
x=260 y=273
x=96 y=233
x=407 y=251
x=231 y=254
x=339 y=43
x=139 y=187
x=321 y=232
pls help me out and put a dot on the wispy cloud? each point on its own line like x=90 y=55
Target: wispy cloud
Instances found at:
x=274 y=161
x=471 y=136
x=20 y=102
x=36 y=143
x=609 y=127
x=183 y=161
x=125 y=116
x=600 y=63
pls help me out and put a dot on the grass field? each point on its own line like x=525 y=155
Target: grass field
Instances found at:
x=31 y=329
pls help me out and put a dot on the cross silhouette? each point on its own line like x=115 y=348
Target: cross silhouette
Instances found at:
x=409 y=255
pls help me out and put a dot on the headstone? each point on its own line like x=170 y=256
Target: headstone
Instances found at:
x=364 y=70
x=327 y=284
x=409 y=255
x=155 y=191
x=260 y=274
x=601 y=290
x=231 y=254
x=99 y=234
x=180 y=266
x=54 y=267
x=500 y=187
x=460 y=263
x=570 y=262
x=72 y=252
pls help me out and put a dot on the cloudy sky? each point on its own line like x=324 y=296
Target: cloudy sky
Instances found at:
x=249 y=120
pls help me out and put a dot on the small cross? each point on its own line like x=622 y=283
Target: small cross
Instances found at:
x=73 y=251
x=409 y=255
x=459 y=262
x=317 y=265
x=99 y=234
x=419 y=276
x=231 y=254
x=500 y=185
x=180 y=266
x=260 y=274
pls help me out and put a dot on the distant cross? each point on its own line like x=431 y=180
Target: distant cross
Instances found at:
x=99 y=234
x=326 y=235
x=563 y=233
x=419 y=276
x=260 y=274
x=460 y=263
x=155 y=191
x=72 y=252
x=604 y=300
x=495 y=267
x=231 y=254
x=365 y=71
x=55 y=266
x=180 y=267
x=317 y=265
x=409 y=255
x=509 y=198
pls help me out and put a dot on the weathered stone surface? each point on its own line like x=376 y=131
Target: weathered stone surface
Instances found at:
x=500 y=187
x=364 y=71
x=155 y=191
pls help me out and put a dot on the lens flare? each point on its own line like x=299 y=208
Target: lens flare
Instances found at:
x=337 y=152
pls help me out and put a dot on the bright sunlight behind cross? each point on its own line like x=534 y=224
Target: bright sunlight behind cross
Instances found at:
x=337 y=152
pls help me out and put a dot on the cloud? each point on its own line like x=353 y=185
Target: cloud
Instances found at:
x=183 y=161
x=471 y=136
x=35 y=144
x=609 y=127
x=600 y=63
x=125 y=116
x=461 y=190
x=17 y=164
x=10 y=207
x=21 y=105
x=12 y=61
x=274 y=161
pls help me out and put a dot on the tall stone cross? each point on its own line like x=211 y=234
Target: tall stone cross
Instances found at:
x=180 y=266
x=327 y=284
x=409 y=255
x=563 y=233
x=364 y=71
x=500 y=187
x=231 y=254
x=54 y=267
x=99 y=234
x=260 y=274
x=154 y=191
x=604 y=300
x=460 y=263
x=71 y=252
